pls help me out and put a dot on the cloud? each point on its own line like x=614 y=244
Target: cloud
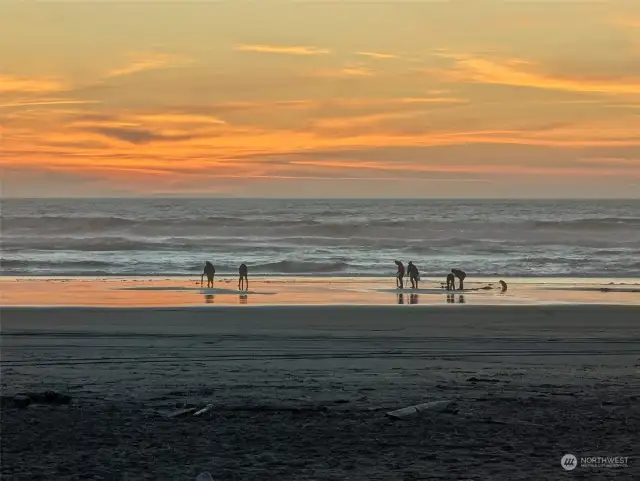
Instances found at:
x=283 y=49
x=145 y=62
x=41 y=102
x=351 y=71
x=522 y=73
x=377 y=55
x=136 y=136
x=360 y=121
x=179 y=118
x=16 y=84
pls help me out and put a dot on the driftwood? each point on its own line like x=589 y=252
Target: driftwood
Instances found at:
x=203 y=410
x=417 y=408
x=181 y=412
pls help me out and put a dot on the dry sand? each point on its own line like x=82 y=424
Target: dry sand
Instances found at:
x=300 y=393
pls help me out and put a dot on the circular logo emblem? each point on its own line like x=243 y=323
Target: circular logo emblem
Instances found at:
x=569 y=462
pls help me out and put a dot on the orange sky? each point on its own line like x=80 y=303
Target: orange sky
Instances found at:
x=340 y=99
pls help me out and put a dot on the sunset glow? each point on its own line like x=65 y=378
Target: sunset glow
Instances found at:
x=339 y=99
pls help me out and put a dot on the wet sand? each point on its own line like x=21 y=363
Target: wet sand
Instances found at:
x=301 y=392
x=278 y=291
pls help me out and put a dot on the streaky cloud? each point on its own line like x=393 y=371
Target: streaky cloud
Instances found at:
x=42 y=102
x=282 y=49
x=523 y=73
x=344 y=72
x=136 y=136
x=30 y=85
x=145 y=62
x=377 y=55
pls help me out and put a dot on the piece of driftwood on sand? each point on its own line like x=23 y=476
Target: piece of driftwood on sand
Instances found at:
x=417 y=408
x=181 y=412
x=203 y=410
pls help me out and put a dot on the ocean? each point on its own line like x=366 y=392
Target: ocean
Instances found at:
x=173 y=237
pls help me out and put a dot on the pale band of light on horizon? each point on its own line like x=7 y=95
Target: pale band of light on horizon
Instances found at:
x=321 y=99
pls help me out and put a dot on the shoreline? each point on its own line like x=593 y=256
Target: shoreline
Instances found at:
x=308 y=291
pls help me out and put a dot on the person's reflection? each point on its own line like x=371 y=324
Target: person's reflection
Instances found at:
x=413 y=299
x=450 y=299
x=243 y=298
x=400 y=298
x=209 y=298
x=461 y=299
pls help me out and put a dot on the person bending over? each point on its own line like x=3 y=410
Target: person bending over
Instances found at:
x=461 y=276
x=243 y=281
x=210 y=272
x=399 y=279
x=414 y=275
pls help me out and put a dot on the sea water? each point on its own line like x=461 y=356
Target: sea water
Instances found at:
x=169 y=237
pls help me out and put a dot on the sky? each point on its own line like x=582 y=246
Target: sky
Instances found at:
x=320 y=99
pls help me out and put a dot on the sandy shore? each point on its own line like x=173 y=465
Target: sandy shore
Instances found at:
x=300 y=393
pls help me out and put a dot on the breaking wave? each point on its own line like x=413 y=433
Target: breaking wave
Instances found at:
x=301 y=267
x=173 y=236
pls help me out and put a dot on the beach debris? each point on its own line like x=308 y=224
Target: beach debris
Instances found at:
x=441 y=405
x=203 y=410
x=24 y=400
x=181 y=412
x=50 y=397
x=489 y=380
x=204 y=476
x=21 y=401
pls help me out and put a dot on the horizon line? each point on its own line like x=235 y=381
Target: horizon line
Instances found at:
x=192 y=197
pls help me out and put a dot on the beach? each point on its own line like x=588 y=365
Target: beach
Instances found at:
x=300 y=389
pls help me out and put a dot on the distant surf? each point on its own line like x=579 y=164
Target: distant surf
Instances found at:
x=173 y=237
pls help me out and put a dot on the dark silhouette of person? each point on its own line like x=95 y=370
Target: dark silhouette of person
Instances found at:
x=461 y=276
x=413 y=299
x=210 y=272
x=399 y=280
x=243 y=280
x=504 y=286
x=414 y=275
x=451 y=282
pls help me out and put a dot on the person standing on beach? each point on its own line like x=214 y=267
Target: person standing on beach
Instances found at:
x=243 y=281
x=399 y=280
x=461 y=276
x=210 y=272
x=451 y=282
x=414 y=275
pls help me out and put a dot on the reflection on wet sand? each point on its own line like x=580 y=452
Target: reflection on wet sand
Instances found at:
x=451 y=299
x=413 y=298
x=209 y=298
x=243 y=298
